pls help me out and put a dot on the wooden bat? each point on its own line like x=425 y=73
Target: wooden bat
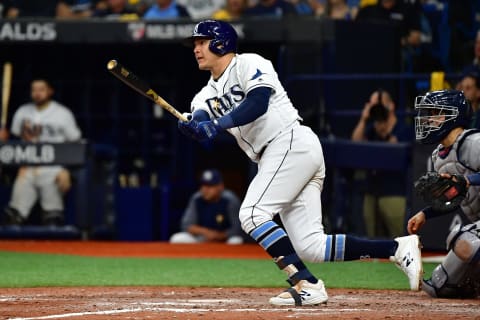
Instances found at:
x=141 y=87
x=6 y=89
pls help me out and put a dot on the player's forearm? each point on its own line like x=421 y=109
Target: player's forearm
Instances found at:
x=474 y=179
x=209 y=234
x=197 y=230
x=432 y=213
x=358 y=133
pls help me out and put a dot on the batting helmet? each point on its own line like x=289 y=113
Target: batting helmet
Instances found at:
x=223 y=36
x=438 y=113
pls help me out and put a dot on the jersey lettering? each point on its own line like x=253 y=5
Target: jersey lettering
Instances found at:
x=226 y=103
x=37 y=130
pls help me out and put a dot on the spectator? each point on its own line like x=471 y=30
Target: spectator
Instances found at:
x=211 y=214
x=462 y=19
x=4 y=5
x=42 y=120
x=115 y=10
x=85 y=8
x=233 y=10
x=201 y=9
x=407 y=17
x=166 y=9
x=470 y=85
x=39 y=8
x=337 y=9
x=272 y=8
x=384 y=202
x=303 y=7
x=475 y=65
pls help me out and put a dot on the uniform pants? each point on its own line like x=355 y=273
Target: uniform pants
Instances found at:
x=289 y=182
x=36 y=183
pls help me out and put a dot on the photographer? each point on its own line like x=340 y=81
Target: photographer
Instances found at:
x=384 y=203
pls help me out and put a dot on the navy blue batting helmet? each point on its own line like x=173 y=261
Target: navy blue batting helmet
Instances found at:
x=223 y=36
x=438 y=113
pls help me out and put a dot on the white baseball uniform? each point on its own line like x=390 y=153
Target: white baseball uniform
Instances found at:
x=53 y=124
x=290 y=161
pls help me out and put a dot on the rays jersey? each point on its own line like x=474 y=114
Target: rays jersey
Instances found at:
x=53 y=124
x=244 y=73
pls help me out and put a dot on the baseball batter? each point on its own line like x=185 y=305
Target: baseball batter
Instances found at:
x=245 y=97
x=42 y=120
x=442 y=118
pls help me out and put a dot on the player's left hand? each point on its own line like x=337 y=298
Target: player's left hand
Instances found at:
x=207 y=130
x=416 y=222
x=63 y=180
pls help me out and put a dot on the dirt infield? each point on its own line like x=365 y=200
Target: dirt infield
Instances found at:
x=220 y=303
x=204 y=303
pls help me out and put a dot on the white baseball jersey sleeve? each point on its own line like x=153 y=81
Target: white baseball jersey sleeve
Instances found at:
x=54 y=124
x=244 y=73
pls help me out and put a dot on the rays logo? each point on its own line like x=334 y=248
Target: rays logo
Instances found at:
x=226 y=103
x=136 y=30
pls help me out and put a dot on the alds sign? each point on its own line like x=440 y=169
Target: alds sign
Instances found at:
x=28 y=31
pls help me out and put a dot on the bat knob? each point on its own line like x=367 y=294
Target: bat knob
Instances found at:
x=112 y=64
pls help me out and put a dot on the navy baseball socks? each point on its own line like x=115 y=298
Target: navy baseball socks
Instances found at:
x=403 y=251
x=306 y=288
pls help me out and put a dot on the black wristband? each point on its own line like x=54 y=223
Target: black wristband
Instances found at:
x=429 y=212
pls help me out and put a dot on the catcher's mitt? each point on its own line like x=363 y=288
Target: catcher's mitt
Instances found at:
x=443 y=194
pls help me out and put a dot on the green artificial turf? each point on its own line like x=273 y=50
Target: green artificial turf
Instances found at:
x=34 y=270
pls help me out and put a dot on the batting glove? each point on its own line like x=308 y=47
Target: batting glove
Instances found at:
x=188 y=128
x=207 y=130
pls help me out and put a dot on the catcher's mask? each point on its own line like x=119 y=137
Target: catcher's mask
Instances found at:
x=438 y=112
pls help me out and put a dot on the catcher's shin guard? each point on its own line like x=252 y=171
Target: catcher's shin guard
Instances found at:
x=458 y=276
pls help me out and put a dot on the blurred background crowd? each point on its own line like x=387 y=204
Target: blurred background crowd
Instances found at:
x=419 y=20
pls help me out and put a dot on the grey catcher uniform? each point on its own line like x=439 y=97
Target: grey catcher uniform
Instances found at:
x=440 y=114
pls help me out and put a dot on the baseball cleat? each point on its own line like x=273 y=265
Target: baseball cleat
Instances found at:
x=302 y=294
x=409 y=259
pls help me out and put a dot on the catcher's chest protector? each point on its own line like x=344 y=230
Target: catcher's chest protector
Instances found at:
x=469 y=145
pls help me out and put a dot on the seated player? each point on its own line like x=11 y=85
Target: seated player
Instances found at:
x=211 y=214
x=42 y=120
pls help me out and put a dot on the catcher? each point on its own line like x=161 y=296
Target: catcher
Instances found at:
x=442 y=118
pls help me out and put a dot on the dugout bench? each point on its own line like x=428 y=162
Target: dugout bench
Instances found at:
x=72 y=155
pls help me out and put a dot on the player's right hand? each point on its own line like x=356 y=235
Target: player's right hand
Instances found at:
x=3 y=134
x=416 y=222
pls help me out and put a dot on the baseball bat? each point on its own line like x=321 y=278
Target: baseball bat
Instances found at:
x=137 y=84
x=6 y=89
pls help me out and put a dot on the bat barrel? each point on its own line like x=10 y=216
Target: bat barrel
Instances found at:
x=137 y=84
x=112 y=64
